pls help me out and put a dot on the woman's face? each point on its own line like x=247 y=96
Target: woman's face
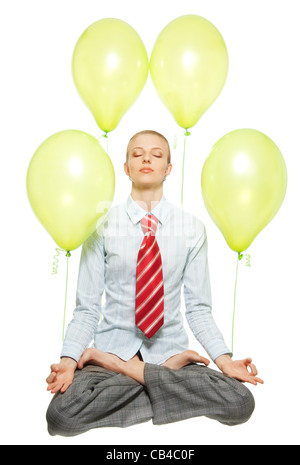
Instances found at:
x=147 y=162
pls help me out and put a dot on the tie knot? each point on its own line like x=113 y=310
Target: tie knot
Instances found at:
x=149 y=223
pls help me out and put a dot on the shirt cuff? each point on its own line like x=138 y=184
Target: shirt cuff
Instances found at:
x=72 y=350
x=217 y=348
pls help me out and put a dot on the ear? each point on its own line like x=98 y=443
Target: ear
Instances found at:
x=126 y=169
x=169 y=169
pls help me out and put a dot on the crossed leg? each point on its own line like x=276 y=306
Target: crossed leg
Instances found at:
x=134 y=368
x=100 y=397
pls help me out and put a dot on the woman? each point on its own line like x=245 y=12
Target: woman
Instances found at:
x=139 y=367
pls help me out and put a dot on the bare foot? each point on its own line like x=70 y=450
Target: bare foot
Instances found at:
x=180 y=360
x=134 y=368
x=103 y=359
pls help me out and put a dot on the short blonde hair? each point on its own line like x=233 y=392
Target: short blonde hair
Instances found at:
x=155 y=133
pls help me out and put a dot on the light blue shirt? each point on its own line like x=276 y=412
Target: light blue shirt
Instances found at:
x=108 y=272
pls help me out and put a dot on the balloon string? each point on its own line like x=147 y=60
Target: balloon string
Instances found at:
x=187 y=133
x=176 y=140
x=55 y=258
x=55 y=269
x=248 y=258
x=66 y=291
x=105 y=136
x=240 y=256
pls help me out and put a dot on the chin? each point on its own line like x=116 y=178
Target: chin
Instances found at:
x=147 y=183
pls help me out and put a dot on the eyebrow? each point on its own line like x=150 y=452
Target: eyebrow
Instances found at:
x=153 y=148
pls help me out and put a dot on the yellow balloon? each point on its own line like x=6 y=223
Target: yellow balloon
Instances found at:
x=70 y=186
x=110 y=68
x=244 y=181
x=189 y=67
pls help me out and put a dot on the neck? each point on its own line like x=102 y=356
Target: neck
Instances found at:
x=147 y=198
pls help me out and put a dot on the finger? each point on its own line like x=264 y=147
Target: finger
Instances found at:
x=250 y=367
x=260 y=381
x=65 y=387
x=247 y=379
x=56 y=389
x=195 y=357
x=253 y=381
x=205 y=361
x=55 y=367
x=51 y=378
x=51 y=386
x=253 y=369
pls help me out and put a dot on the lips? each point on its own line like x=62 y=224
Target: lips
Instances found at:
x=146 y=170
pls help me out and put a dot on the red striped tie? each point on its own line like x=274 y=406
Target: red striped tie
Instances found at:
x=149 y=305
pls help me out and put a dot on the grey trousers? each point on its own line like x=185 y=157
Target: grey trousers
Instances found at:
x=101 y=398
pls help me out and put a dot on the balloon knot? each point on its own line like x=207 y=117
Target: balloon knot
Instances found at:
x=187 y=133
x=68 y=254
x=240 y=256
x=105 y=135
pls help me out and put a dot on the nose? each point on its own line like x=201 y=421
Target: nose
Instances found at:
x=146 y=158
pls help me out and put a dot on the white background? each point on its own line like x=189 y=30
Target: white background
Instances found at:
x=38 y=99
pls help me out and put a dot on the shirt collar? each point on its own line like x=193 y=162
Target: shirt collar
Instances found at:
x=136 y=212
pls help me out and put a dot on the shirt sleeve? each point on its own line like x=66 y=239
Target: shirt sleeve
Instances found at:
x=197 y=295
x=90 y=287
